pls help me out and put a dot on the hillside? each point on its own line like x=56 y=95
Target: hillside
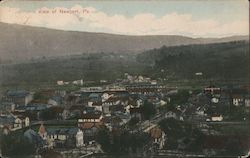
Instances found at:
x=223 y=61
x=21 y=43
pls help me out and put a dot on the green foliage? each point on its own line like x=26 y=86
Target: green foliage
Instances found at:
x=176 y=130
x=237 y=113
x=226 y=61
x=89 y=67
x=15 y=145
x=233 y=147
x=170 y=107
x=215 y=61
x=123 y=143
x=230 y=112
x=133 y=121
x=180 y=98
x=148 y=110
x=49 y=114
x=103 y=138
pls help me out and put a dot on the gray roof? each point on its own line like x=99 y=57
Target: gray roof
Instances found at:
x=17 y=93
x=6 y=120
x=62 y=131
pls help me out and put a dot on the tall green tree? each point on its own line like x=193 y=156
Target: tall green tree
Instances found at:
x=148 y=110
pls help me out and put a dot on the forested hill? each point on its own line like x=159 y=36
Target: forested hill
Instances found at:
x=216 y=61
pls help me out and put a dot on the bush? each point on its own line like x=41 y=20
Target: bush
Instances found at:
x=13 y=145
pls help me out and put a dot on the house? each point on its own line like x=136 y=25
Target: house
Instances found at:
x=42 y=132
x=19 y=97
x=79 y=138
x=201 y=111
x=106 y=110
x=212 y=90
x=135 y=101
x=116 y=108
x=175 y=114
x=106 y=96
x=116 y=120
x=158 y=137
x=60 y=83
x=61 y=137
x=90 y=130
x=215 y=100
x=65 y=137
x=89 y=124
x=171 y=114
x=7 y=106
x=6 y=130
x=247 y=101
x=7 y=121
x=55 y=101
x=94 y=97
x=112 y=101
x=238 y=100
x=92 y=117
x=78 y=82
x=21 y=122
x=217 y=118
x=136 y=113
x=97 y=106
x=112 y=122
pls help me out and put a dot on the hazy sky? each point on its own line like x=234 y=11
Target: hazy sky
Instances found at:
x=196 y=18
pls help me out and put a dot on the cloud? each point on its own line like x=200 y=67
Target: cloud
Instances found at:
x=89 y=19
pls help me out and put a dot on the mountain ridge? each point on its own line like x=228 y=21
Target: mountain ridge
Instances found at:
x=20 y=43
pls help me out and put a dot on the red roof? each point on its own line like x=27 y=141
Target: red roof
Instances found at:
x=89 y=125
x=156 y=133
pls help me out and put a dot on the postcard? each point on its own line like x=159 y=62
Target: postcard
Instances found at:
x=124 y=78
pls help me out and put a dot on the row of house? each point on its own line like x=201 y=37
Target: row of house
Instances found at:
x=237 y=96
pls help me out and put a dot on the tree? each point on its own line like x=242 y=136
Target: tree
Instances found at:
x=176 y=130
x=233 y=147
x=148 y=110
x=123 y=143
x=103 y=138
x=48 y=114
x=180 y=98
x=15 y=145
x=133 y=121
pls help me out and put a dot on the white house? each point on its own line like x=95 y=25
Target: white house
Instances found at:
x=200 y=111
x=21 y=122
x=217 y=118
x=42 y=132
x=106 y=96
x=214 y=100
x=247 y=102
x=78 y=82
x=60 y=83
x=65 y=137
x=238 y=100
x=79 y=138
